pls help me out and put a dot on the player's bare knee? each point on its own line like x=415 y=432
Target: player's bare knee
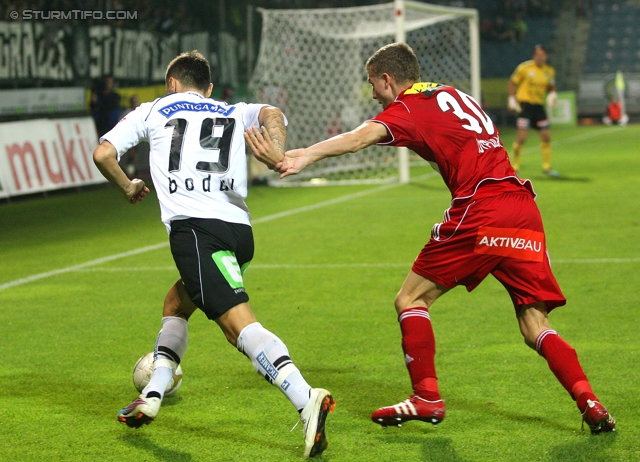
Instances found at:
x=529 y=342
x=173 y=307
x=404 y=302
x=229 y=331
x=533 y=319
x=398 y=303
x=177 y=302
x=231 y=337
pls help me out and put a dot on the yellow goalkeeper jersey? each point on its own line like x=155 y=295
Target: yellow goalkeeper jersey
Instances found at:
x=533 y=82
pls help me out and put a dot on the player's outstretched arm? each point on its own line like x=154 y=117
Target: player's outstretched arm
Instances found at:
x=270 y=150
x=106 y=159
x=263 y=147
x=365 y=135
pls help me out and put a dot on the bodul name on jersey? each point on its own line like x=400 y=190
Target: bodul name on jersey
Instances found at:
x=189 y=184
x=172 y=108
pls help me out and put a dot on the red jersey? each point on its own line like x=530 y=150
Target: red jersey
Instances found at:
x=449 y=129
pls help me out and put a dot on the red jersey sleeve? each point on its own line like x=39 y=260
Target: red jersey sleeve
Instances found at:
x=397 y=118
x=449 y=129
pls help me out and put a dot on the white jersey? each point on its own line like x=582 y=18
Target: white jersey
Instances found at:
x=197 y=154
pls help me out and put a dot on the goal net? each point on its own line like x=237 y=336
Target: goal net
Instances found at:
x=311 y=64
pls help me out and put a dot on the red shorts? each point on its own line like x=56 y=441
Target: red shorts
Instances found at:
x=501 y=235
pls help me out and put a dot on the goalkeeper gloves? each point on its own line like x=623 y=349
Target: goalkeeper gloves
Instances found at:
x=552 y=98
x=513 y=104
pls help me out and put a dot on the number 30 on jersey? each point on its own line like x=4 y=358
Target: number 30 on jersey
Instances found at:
x=474 y=122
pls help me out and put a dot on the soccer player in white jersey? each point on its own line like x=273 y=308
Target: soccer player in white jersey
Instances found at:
x=199 y=169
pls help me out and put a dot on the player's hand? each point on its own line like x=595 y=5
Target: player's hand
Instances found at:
x=263 y=147
x=135 y=191
x=513 y=104
x=294 y=162
x=552 y=98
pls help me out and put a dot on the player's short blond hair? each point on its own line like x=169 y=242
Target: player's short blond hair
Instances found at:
x=396 y=59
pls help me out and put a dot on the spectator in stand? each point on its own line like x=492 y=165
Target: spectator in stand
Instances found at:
x=486 y=27
x=583 y=8
x=501 y=31
x=519 y=27
x=105 y=106
x=547 y=9
x=536 y=9
x=227 y=93
x=513 y=7
x=615 y=113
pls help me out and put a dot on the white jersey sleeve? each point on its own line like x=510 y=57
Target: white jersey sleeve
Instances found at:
x=251 y=114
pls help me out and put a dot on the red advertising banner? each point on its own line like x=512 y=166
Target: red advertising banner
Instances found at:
x=45 y=154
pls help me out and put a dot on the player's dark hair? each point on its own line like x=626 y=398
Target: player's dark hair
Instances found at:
x=191 y=69
x=396 y=59
x=540 y=47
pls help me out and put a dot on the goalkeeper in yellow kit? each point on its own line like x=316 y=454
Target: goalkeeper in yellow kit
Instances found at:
x=529 y=85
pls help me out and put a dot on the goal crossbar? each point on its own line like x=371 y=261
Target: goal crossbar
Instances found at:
x=311 y=65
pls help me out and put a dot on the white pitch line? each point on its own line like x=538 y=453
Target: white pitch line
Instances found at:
x=275 y=216
x=337 y=200
x=36 y=277
x=336 y=265
x=253 y=267
x=599 y=260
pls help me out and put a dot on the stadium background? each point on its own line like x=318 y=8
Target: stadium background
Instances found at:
x=50 y=68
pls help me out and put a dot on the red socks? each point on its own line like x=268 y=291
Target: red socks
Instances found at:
x=419 y=346
x=563 y=362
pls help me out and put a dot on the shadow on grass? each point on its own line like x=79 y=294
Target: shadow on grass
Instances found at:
x=592 y=448
x=439 y=449
x=436 y=448
x=236 y=437
x=142 y=442
x=461 y=404
x=169 y=401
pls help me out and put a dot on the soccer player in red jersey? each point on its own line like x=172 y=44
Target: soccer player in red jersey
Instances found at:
x=493 y=226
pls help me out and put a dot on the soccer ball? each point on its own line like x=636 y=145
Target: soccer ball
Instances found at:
x=142 y=374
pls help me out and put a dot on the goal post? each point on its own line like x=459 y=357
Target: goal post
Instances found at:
x=311 y=65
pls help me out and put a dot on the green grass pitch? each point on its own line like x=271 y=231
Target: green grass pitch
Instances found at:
x=323 y=279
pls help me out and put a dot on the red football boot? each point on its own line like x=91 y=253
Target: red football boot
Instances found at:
x=598 y=418
x=413 y=408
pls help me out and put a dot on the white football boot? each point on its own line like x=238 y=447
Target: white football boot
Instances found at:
x=314 y=416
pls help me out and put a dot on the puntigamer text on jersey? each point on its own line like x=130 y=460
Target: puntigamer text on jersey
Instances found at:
x=178 y=106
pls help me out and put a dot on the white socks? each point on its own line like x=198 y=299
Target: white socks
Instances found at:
x=270 y=359
x=267 y=352
x=171 y=345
